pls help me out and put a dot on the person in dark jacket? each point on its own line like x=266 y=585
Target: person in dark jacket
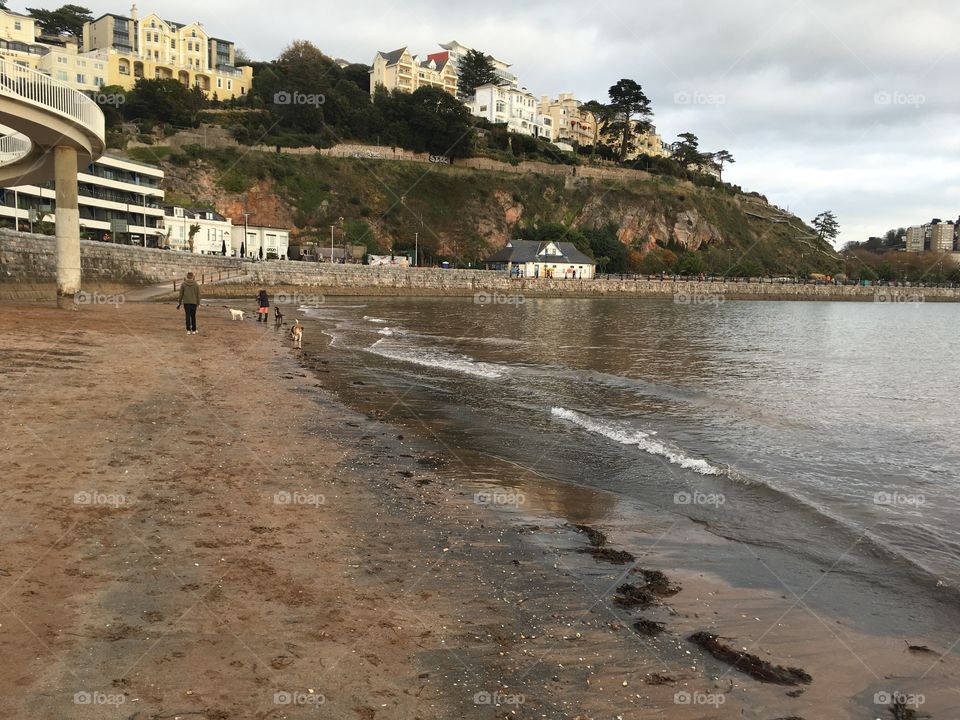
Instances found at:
x=263 y=303
x=189 y=298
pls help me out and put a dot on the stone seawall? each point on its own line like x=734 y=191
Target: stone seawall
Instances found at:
x=27 y=271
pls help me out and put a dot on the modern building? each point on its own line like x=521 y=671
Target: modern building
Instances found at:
x=454 y=52
x=120 y=201
x=514 y=107
x=570 y=123
x=942 y=236
x=400 y=70
x=275 y=242
x=200 y=231
x=132 y=48
x=530 y=258
x=915 y=239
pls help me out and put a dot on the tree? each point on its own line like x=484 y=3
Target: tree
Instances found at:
x=602 y=114
x=474 y=70
x=168 y=101
x=67 y=20
x=192 y=235
x=720 y=158
x=686 y=150
x=439 y=123
x=826 y=225
x=627 y=114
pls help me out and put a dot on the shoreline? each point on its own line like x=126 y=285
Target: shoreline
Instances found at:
x=399 y=595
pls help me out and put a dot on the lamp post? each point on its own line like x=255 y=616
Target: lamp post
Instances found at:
x=246 y=234
x=416 y=248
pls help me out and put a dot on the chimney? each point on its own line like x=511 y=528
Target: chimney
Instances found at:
x=134 y=13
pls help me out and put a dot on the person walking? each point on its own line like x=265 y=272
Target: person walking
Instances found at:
x=189 y=298
x=263 y=303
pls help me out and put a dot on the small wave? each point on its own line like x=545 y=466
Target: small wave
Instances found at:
x=379 y=321
x=385 y=331
x=632 y=436
x=437 y=359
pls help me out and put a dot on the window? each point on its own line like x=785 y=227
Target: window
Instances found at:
x=61 y=59
x=16 y=25
x=81 y=79
x=62 y=75
x=173 y=44
x=99 y=82
x=229 y=84
x=219 y=82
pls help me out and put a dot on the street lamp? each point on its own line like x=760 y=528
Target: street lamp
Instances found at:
x=331 y=242
x=416 y=248
x=246 y=234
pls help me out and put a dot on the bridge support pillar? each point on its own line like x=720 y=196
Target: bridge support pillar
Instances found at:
x=68 y=222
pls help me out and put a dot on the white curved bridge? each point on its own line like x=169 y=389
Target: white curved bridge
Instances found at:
x=49 y=131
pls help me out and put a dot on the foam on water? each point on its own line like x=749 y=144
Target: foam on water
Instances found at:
x=379 y=321
x=631 y=436
x=437 y=359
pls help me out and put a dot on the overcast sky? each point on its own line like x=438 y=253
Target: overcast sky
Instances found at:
x=849 y=106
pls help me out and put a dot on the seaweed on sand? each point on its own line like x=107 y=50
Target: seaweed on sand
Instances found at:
x=750 y=664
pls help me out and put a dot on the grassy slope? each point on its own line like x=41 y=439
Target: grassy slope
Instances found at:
x=462 y=209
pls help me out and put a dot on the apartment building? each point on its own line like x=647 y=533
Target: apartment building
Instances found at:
x=570 y=123
x=454 y=52
x=942 y=236
x=275 y=243
x=915 y=238
x=120 y=201
x=514 y=107
x=67 y=64
x=204 y=232
x=401 y=70
x=151 y=47
x=18 y=39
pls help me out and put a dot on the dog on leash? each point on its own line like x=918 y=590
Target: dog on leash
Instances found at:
x=277 y=316
x=296 y=334
x=236 y=314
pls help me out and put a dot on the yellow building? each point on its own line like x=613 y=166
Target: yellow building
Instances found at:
x=132 y=48
x=569 y=121
x=67 y=64
x=399 y=70
x=18 y=39
x=645 y=142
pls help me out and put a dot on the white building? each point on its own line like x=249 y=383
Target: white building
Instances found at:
x=120 y=201
x=513 y=107
x=275 y=243
x=455 y=52
x=85 y=71
x=548 y=259
x=212 y=232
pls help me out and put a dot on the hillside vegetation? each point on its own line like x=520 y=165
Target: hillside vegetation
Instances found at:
x=461 y=214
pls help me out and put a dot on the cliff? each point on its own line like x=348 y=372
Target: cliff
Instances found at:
x=466 y=212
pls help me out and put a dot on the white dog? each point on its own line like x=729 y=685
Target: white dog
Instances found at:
x=296 y=334
x=236 y=314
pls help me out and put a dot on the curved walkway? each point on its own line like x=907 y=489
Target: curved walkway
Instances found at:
x=38 y=114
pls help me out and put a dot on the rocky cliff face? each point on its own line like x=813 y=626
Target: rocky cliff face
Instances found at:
x=456 y=211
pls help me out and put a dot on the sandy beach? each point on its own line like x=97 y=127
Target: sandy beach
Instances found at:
x=196 y=527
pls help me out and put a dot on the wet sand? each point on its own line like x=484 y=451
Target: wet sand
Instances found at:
x=195 y=527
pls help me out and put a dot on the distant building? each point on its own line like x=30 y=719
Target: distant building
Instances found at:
x=213 y=234
x=455 y=52
x=84 y=71
x=942 y=237
x=120 y=201
x=529 y=258
x=132 y=48
x=275 y=242
x=513 y=107
x=400 y=70
x=570 y=123
x=915 y=238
